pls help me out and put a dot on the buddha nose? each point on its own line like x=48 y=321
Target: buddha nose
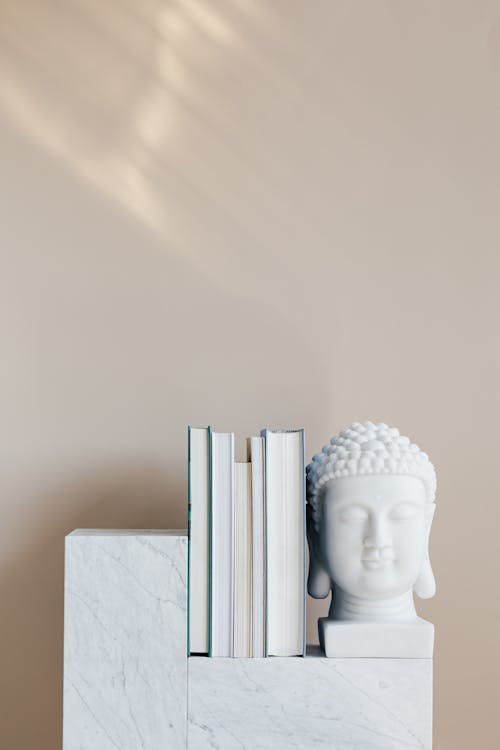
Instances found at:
x=378 y=536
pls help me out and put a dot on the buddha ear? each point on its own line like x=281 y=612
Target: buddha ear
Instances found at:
x=318 y=582
x=425 y=585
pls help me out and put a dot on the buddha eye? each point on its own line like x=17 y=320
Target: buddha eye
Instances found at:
x=353 y=514
x=403 y=512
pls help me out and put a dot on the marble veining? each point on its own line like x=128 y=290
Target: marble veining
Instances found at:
x=128 y=684
x=125 y=669
x=367 y=704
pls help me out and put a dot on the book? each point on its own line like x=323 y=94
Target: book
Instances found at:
x=242 y=557
x=199 y=539
x=255 y=452
x=286 y=542
x=221 y=543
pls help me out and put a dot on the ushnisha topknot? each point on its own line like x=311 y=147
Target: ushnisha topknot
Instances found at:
x=367 y=448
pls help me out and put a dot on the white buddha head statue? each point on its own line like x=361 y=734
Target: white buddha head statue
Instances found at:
x=371 y=499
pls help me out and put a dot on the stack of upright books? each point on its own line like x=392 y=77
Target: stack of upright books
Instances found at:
x=247 y=544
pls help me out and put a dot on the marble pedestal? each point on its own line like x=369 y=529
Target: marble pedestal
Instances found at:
x=128 y=683
x=125 y=666
x=311 y=702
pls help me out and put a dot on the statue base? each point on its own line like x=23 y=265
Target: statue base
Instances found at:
x=402 y=640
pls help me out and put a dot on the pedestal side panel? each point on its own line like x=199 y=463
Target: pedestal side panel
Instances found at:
x=125 y=667
x=369 y=704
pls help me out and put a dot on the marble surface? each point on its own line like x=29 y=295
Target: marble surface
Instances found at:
x=129 y=685
x=312 y=702
x=125 y=666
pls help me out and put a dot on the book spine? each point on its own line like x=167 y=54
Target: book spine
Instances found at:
x=304 y=605
x=189 y=545
x=198 y=540
x=231 y=582
x=263 y=434
x=210 y=541
x=256 y=456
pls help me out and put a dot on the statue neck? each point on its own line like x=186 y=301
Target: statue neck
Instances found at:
x=346 y=606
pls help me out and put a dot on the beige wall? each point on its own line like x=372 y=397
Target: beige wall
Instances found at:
x=246 y=213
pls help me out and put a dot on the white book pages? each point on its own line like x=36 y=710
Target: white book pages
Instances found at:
x=242 y=552
x=285 y=542
x=256 y=455
x=199 y=500
x=222 y=501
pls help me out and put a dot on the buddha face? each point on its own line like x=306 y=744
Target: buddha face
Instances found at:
x=374 y=533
